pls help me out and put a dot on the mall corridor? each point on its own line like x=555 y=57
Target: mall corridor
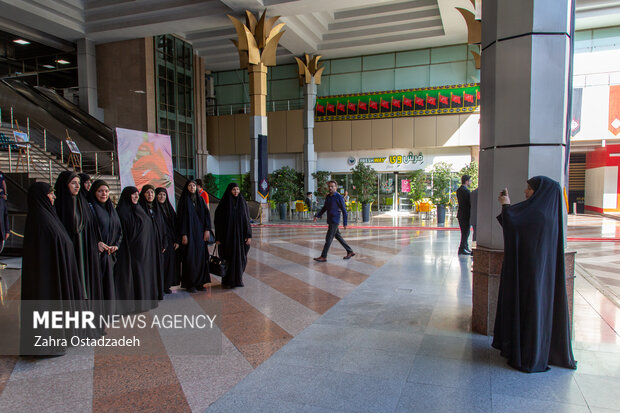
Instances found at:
x=386 y=331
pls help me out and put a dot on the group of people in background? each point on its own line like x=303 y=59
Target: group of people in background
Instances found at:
x=79 y=246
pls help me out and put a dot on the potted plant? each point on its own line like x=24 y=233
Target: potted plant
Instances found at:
x=442 y=175
x=321 y=184
x=284 y=188
x=472 y=171
x=246 y=186
x=365 y=182
x=417 y=185
x=210 y=184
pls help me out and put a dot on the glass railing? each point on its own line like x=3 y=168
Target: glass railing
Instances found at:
x=238 y=108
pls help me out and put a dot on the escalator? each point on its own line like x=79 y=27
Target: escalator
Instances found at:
x=46 y=107
x=42 y=109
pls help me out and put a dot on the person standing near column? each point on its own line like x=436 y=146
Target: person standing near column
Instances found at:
x=334 y=204
x=203 y=194
x=464 y=213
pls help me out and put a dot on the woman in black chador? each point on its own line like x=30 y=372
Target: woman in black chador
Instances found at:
x=85 y=184
x=233 y=234
x=110 y=233
x=171 y=268
x=135 y=273
x=49 y=267
x=79 y=221
x=151 y=207
x=194 y=228
x=532 y=325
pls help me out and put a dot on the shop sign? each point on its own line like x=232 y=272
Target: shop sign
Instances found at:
x=379 y=159
x=394 y=159
x=405 y=159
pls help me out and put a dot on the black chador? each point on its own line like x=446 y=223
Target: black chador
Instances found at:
x=85 y=185
x=110 y=233
x=151 y=207
x=171 y=242
x=532 y=327
x=194 y=225
x=135 y=272
x=232 y=231
x=49 y=267
x=79 y=221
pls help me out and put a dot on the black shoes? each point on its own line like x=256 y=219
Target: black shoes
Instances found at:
x=167 y=291
x=464 y=252
x=201 y=288
x=191 y=290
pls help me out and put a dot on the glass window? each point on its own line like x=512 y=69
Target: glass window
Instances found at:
x=175 y=95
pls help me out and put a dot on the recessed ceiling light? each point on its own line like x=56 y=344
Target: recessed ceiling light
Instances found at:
x=63 y=61
x=49 y=67
x=21 y=41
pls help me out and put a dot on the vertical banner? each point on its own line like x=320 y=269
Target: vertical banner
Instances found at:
x=145 y=158
x=405 y=186
x=614 y=110
x=263 y=183
x=575 y=125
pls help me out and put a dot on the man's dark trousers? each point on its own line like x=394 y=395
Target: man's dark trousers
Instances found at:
x=464 y=224
x=332 y=232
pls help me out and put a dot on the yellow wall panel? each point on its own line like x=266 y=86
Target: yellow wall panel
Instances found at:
x=448 y=130
x=276 y=126
x=323 y=136
x=242 y=134
x=294 y=131
x=341 y=136
x=361 y=135
x=226 y=136
x=381 y=133
x=402 y=129
x=425 y=131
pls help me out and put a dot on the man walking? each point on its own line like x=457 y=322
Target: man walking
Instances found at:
x=464 y=200
x=334 y=203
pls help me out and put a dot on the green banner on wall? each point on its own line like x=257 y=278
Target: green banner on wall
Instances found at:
x=399 y=103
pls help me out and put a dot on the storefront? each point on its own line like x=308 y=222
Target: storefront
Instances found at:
x=394 y=167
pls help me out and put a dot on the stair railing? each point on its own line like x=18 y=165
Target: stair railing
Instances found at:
x=39 y=136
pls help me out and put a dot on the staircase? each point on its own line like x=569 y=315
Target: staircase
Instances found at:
x=43 y=166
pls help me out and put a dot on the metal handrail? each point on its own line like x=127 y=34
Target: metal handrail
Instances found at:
x=244 y=107
x=48 y=138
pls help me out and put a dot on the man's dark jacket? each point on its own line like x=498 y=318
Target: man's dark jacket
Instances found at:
x=463 y=197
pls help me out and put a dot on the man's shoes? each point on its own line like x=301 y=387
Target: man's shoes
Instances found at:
x=201 y=288
x=464 y=252
x=167 y=291
x=320 y=259
x=191 y=290
x=349 y=255
x=468 y=250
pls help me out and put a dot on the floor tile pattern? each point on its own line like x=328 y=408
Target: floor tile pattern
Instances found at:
x=387 y=331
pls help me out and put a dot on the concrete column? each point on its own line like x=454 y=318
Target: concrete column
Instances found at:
x=523 y=119
x=87 y=78
x=309 y=153
x=258 y=127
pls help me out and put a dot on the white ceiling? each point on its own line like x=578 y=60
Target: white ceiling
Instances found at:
x=332 y=28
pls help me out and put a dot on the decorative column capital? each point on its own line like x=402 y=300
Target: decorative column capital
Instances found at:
x=257 y=40
x=309 y=70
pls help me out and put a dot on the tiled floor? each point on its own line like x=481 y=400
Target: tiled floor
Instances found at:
x=386 y=331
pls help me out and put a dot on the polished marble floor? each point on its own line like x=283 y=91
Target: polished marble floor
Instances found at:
x=386 y=331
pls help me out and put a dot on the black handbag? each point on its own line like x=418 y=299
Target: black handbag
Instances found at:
x=217 y=265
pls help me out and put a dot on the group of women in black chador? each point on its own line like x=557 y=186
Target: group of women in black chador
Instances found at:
x=78 y=246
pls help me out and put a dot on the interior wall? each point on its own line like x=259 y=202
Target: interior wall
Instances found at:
x=229 y=134
x=125 y=90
